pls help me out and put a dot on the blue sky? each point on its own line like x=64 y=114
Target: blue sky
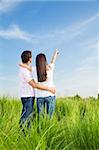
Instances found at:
x=42 y=26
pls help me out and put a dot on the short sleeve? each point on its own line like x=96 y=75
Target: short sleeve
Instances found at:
x=28 y=76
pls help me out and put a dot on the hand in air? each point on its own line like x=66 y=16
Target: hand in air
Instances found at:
x=57 y=51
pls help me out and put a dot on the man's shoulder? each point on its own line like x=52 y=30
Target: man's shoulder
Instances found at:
x=25 y=74
x=24 y=71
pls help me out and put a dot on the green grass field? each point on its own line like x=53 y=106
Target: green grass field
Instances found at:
x=75 y=126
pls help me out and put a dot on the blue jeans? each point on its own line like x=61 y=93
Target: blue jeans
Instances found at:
x=28 y=103
x=47 y=103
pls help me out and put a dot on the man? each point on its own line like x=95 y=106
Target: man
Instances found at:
x=27 y=85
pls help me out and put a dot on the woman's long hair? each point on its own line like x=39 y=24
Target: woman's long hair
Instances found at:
x=41 y=63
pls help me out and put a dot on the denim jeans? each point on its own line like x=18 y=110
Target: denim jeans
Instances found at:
x=47 y=103
x=28 y=103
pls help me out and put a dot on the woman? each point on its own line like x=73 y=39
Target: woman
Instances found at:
x=44 y=76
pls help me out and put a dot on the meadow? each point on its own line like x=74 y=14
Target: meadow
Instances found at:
x=74 y=126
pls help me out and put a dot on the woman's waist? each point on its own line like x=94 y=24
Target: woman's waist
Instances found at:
x=41 y=93
x=49 y=84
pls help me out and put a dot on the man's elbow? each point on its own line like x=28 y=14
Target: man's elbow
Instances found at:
x=33 y=84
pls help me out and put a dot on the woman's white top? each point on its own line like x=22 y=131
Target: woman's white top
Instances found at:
x=49 y=82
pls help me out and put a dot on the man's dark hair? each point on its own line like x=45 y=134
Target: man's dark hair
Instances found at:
x=26 y=55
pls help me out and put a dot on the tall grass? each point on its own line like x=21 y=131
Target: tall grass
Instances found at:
x=74 y=126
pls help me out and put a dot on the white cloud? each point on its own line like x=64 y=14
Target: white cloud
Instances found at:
x=76 y=27
x=14 y=32
x=7 y=5
x=88 y=21
x=58 y=36
x=66 y=34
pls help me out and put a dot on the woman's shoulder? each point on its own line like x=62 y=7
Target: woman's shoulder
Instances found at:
x=34 y=73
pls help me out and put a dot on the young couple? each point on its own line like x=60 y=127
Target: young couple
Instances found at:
x=43 y=84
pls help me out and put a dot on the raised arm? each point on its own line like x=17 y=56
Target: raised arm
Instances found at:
x=54 y=56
